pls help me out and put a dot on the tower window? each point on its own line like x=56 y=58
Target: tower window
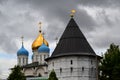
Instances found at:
x=52 y=63
x=44 y=56
x=71 y=69
x=91 y=62
x=92 y=69
x=19 y=60
x=36 y=58
x=23 y=60
x=71 y=62
x=82 y=68
x=40 y=58
x=60 y=70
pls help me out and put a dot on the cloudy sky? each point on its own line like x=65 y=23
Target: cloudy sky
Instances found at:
x=99 y=20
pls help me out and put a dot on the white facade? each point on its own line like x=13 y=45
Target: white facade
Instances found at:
x=74 y=67
x=41 y=68
x=40 y=57
x=40 y=71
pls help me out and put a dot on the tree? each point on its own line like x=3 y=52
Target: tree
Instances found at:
x=16 y=74
x=110 y=64
x=52 y=76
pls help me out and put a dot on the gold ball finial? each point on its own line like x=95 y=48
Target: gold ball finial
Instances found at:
x=40 y=25
x=73 y=11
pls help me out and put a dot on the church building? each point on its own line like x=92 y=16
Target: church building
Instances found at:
x=72 y=59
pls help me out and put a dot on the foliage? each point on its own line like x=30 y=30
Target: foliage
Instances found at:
x=16 y=74
x=110 y=64
x=52 y=76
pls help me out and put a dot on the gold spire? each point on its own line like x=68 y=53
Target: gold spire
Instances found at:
x=73 y=11
x=39 y=40
x=22 y=39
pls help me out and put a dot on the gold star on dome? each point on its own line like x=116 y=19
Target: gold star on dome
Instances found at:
x=73 y=11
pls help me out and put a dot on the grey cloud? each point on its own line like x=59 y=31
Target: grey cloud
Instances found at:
x=7 y=44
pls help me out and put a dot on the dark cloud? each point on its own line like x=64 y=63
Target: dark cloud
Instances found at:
x=22 y=19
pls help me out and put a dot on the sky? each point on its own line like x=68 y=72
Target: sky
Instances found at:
x=99 y=21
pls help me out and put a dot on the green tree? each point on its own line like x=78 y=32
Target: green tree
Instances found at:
x=52 y=76
x=16 y=74
x=110 y=64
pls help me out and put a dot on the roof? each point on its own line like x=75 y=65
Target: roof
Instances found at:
x=34 y=64
x=72 y=42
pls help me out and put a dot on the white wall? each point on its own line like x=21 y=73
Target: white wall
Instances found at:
x=84 y=67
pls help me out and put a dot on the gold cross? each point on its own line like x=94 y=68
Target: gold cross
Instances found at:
x=22 y=39
x=40 y=25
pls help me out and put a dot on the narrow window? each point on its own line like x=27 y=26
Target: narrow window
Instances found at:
x=40 y=58
x=71 y=69
x=19 y=61
x=53 y=63
x=36 y=58
x=92 y=69
x=71 y=62
x=82 y=68
x=23 y=60
x=91 y=62
x=60 y=70
x=44 y=56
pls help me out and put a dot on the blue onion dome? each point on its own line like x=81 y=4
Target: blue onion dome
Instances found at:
x=43 y=48
x=22 y=51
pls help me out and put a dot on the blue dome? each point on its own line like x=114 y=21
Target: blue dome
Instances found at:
x=43 y=48
x=22 y=51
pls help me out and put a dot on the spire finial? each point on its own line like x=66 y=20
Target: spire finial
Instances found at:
x=40 y=25
x=56 y=40
x=22 y=39
x=73 y=11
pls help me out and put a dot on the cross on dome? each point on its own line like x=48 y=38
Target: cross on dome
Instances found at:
x=40 y=25
x=22 y=39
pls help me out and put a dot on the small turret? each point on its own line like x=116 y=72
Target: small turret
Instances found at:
x=22 y=55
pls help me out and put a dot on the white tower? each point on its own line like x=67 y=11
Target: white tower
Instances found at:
x=73 y=57
x=22 y=55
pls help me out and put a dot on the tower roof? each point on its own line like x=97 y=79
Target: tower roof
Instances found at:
x=72 y=42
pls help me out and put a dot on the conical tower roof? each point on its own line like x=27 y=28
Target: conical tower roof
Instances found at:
x=73 y=42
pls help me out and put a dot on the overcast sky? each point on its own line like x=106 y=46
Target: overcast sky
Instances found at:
x=99 y=21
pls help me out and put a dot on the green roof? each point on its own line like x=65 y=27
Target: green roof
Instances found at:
x=37 y=78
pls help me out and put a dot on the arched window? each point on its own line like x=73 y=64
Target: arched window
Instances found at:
x=39 y=75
